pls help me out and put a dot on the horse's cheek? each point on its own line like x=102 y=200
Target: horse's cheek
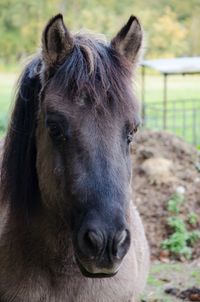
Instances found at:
x=45 y=164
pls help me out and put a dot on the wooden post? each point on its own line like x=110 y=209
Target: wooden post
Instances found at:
x=165 y=103
x=194 y=124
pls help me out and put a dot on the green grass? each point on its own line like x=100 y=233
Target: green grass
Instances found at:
x=183 y=105
x=196 y=276
x=179 y=88
x=167 y=275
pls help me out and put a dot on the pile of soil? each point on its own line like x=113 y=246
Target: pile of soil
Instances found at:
x=190 y=294
x=163 y=164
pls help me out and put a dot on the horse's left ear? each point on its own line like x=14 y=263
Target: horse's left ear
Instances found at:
x=57 y=42
x=128 y=41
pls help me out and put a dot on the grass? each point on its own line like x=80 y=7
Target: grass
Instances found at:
x=167 y=275
x=183 y=105
x=179 y=88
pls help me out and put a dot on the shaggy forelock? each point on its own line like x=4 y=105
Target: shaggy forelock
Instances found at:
x=95 y=68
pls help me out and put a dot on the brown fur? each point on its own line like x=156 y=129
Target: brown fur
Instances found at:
x=37 y=260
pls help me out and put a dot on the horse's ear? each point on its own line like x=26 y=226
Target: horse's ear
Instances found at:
x=128 y=41
x=57 y=42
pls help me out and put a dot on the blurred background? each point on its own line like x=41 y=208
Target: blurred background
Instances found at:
x=166 y=161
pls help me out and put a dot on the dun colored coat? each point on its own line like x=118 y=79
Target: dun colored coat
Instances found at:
x=69 y=231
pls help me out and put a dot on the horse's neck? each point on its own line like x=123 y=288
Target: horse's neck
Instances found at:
x=58 y=244
x=44 y=242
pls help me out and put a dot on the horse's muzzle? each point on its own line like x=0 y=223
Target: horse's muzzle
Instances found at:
x=96 y=272
x=100 y=253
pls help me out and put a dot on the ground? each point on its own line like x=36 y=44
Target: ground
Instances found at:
x=162 y=163
x=176 y=276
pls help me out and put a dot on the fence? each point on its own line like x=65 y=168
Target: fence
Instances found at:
x=181 y=117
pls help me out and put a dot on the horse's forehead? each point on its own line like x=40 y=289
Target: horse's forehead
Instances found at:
x=81 y=112
x=82 y=103
x=74 y=90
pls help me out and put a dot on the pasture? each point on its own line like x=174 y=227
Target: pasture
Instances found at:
x=182 y=108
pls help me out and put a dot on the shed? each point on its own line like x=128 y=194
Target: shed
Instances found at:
x=168 y=67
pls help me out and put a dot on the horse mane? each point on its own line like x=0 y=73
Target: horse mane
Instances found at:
x=18 y=183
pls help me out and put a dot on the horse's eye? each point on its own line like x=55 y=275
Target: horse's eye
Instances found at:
x=55 y=131
x=130 y=135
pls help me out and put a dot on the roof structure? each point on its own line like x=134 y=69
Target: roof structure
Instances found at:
x=185 y=65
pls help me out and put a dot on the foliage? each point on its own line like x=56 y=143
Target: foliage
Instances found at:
x=192 y=218
x=166 y=28
x=171 y=28
x=175 y=202
x=181 y=240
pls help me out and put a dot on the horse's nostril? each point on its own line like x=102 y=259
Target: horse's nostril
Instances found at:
x=121 y=244
x=122 y=237
x=94 y=241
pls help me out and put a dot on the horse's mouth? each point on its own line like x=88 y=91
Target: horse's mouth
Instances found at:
x=89 y=274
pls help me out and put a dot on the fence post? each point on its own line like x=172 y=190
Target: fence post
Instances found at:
x=194 y=126
x=165 y=102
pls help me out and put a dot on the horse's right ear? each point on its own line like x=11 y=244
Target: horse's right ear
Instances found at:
x=128 y=41
x=57 y=42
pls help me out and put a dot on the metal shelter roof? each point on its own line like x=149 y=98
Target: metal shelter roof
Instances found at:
x=186 y=65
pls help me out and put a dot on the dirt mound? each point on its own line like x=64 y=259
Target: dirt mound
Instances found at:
x=162 y=163
x=190 y=294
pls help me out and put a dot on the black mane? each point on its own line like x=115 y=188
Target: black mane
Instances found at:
x=19 y=183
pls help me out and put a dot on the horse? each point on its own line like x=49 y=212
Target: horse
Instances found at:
x=69 y=230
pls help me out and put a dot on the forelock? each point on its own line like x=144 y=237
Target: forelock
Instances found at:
x=93 y=67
